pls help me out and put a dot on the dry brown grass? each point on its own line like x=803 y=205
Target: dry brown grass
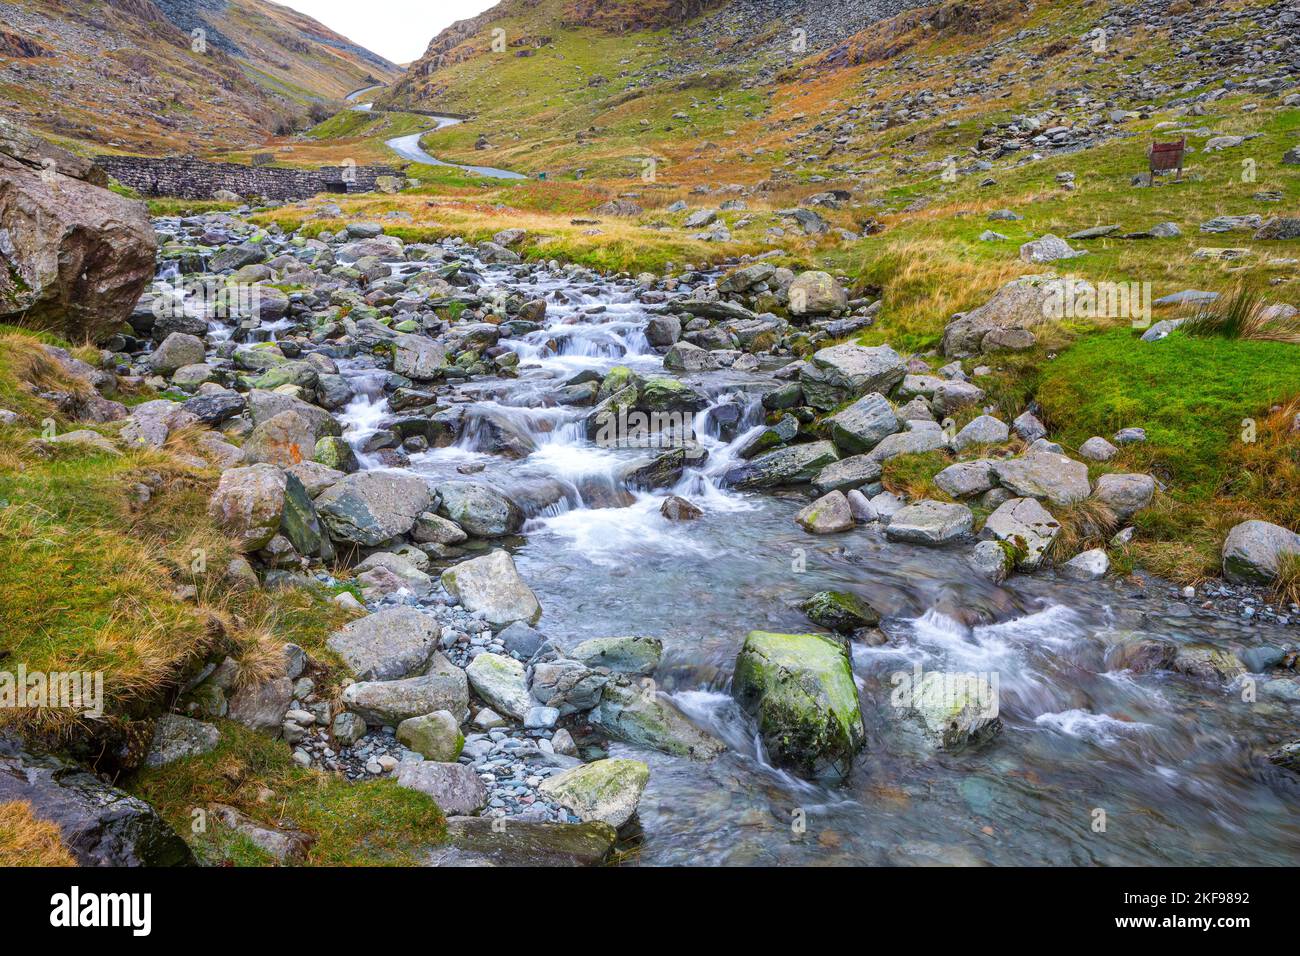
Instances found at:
x=27 y=841
x=1084 y=525
x=1287 y=586
x=29 y=361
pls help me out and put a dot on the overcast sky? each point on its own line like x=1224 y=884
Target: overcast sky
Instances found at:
x=397 y=29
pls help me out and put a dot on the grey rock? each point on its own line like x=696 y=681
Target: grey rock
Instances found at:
x=456 y=788
x=1025 y=525
x=648 y=719
x=1253 y=551
x=1125 y=494
x=371 y=507
x=491 y=586
x=931 y=523
x=100 y=824
x=381 y=703
x=1043 y=474
x=862 y=425
x=176 y=737
x=387 y=645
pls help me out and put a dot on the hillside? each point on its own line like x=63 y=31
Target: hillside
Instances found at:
x=133 y=74
x=729 y=433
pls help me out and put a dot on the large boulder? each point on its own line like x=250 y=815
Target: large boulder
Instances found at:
x=388 y=644
x=792 y=465
x=175 y=352
x=827 y=515
x=74 y=257
x=816 y=293
x=800 y=688
x=861 y=426
x=491 y=586
x=843 y=372
x=607 y=791
x=954 y=711
x=249 y=503
x=371 y=507
x=1021 y=304
x=456 y=788
x=418 y=357
x=479 y=509
x=931 y=522
x=1044 y=474
x=434 y=736
x=644 y=717
x=284 y=440
x=390 y=702
x=100 y=824
x=264 y=405
x=1254 y=550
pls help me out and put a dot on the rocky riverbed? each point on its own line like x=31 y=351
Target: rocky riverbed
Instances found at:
x=620 y=558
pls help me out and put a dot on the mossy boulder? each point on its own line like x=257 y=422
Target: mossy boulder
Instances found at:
x=800 y=688
x=435 y=736
x=840 y=611
x=606 y=791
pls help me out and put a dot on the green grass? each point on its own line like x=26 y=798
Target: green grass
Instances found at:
x=344 y=124
x=71 y=518
x=166 y=206
x=371 y=823
x=1190 y=394
x=1212 y=436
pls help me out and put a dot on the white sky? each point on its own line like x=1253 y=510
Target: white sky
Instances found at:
x=397 y=29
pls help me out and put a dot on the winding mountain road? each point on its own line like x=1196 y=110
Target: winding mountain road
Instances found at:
x=408 y=147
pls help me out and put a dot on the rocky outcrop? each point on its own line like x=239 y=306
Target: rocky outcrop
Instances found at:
x=74 y=257
x=101 y=825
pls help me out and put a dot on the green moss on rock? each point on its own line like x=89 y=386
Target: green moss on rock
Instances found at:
x=800 y=688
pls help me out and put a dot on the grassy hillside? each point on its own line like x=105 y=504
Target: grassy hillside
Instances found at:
x=132 y=75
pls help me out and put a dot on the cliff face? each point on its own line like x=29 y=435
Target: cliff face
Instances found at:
x=159 y=76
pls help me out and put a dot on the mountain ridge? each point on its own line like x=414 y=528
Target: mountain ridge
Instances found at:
x=139 y=76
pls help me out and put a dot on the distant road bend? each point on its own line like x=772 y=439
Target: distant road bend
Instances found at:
x=408 y=147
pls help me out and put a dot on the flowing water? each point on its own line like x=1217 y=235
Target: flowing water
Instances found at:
x=1172 y=764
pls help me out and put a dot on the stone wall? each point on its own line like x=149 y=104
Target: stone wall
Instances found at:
x=187 y=178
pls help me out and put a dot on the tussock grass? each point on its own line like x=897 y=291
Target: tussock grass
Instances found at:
x=28 y=841
x=1241 y=315
x=1084 y=525
x=913 y=475
x=1287 y=586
